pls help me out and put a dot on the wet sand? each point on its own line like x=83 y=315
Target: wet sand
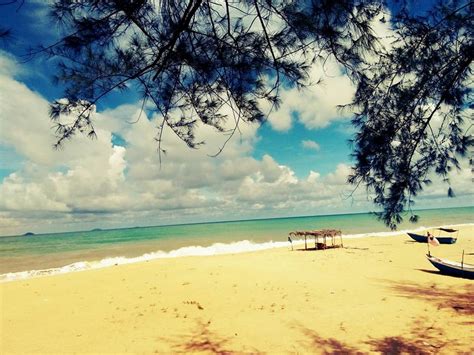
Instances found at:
x=378 y=294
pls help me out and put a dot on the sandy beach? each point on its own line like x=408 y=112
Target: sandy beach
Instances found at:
x=378 y=294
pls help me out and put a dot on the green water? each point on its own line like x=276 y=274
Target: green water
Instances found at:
x=55 y=250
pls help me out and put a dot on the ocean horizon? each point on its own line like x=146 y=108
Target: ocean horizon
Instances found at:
x=105 y=229
x=50 y=253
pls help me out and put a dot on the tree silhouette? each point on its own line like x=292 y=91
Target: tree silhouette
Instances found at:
x=190 y=59
x=412 y=108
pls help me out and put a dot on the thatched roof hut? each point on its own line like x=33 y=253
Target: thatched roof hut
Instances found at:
x=320 y=237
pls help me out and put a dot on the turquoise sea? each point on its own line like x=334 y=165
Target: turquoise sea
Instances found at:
x=64 y=252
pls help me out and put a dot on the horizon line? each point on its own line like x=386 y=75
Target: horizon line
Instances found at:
x=219 y=222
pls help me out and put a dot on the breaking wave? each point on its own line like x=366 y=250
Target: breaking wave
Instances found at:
x=215 y=249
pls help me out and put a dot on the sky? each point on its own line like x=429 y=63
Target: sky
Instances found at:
x=295 y=164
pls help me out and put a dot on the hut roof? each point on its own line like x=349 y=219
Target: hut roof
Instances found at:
x=318 y=233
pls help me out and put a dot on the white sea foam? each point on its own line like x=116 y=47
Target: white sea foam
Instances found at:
x=215 y=249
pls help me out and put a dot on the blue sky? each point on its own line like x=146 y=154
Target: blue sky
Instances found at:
x=296 y=163
x=287 y=147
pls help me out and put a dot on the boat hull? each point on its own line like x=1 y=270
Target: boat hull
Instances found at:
x=452 y=268
x=423 y=239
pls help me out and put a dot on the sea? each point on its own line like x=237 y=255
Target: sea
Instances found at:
x=44 y=254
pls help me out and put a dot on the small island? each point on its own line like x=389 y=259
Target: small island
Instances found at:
x=28 y=234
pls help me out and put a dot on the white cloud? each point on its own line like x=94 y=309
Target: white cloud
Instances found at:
x=316 y=105
x=8 y=64
x=17 y=194
x=309 y=144
x=382 y=29
x=462 y=182
x=340 y=175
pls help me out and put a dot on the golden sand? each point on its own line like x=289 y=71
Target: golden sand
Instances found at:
x=378 y=294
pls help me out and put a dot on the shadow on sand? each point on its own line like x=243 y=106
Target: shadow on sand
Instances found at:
x=322 y=345
x=320 y=248
x=201 y=339
x=459 y=300
x=437 y=272
x=433 y=272
x=421 y=340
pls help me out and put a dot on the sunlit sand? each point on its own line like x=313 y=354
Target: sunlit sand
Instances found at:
x=378 y=294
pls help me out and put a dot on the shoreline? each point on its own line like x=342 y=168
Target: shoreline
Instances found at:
x=243 y=246
x=377 y=294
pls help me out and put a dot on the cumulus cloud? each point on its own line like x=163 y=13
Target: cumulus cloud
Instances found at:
x=461 y=181
x=316 y=105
